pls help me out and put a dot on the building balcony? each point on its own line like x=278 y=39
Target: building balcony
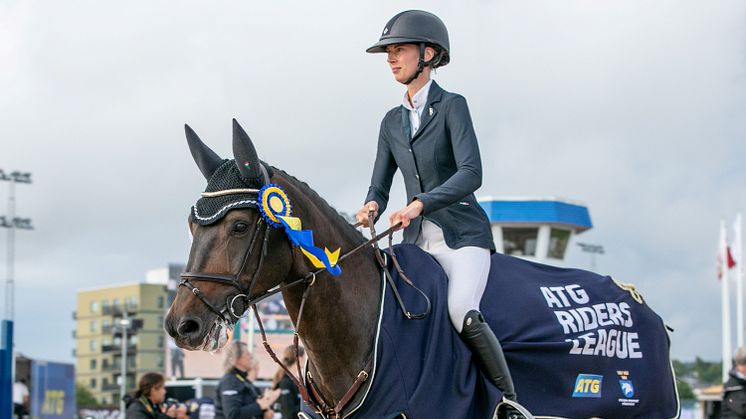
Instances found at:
x=110 y=387
x=118 y=310
x=131 y=348
x=111 y=367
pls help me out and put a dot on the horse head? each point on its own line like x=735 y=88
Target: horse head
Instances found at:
x=226 y=267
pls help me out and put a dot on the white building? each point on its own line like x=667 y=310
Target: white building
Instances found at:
x=538 y=229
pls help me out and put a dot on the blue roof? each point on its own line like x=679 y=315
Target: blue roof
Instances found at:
x=538 y=212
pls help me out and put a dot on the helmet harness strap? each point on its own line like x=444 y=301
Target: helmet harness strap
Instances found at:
x=420 y=64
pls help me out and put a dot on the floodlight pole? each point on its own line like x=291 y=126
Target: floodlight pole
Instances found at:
x=10 y=282
x=12 y=223
x=124 y=325
x=7 y=360
x=593 y=249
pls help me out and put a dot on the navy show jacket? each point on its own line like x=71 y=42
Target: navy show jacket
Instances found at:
x=441 y=167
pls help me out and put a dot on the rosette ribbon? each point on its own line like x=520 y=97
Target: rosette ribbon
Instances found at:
x=275 y=207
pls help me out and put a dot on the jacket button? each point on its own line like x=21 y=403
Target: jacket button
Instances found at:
x=417 y=176
x=410 y=150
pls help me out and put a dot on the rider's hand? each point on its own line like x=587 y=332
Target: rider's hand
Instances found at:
x=268 y=398
x=362 y=213
x=407 y=214
x=268 y=414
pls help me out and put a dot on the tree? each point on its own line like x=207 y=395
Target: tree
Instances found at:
x=83 y=396
x=708 y=372
x=685 y=390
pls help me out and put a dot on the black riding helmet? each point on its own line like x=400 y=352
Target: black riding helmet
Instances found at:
x=420 y=28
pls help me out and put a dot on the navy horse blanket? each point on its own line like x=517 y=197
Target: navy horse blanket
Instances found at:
x=578 y=345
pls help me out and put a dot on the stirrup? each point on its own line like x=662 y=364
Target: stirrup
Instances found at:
x=508 y=409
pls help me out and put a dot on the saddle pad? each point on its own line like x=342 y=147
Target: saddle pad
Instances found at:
x=578 y=345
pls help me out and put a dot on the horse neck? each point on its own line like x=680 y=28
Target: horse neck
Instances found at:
x=339 y=317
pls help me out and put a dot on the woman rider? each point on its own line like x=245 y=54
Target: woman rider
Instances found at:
x=430 y=137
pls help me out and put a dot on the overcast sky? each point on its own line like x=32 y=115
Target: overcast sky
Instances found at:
x=634 y=108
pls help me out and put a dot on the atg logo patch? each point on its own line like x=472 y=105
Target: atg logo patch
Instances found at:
x=588 y=385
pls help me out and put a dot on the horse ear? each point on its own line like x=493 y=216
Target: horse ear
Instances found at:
x=246 y=158
x=206 y=159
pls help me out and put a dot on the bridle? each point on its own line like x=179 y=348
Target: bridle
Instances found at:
x=227 y=313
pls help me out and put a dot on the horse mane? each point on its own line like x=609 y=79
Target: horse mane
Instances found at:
x=332 y=214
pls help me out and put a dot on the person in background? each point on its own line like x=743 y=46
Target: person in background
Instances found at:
x=289 y=395
x=147 y=401
x=236 y=397
x=734 y=390
x=20 y=398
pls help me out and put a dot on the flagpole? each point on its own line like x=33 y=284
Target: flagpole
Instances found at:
x=725 y=301
x=738 y=257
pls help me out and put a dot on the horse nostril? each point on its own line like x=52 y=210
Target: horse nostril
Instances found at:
x=188 y=327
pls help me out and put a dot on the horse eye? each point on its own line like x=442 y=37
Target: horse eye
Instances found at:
x=240 y=227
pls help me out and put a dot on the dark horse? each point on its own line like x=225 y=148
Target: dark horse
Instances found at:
x=350 y=303
x=578 y=344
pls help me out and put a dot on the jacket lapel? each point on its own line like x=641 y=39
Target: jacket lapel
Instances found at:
x=406 y=127
x=428 y=114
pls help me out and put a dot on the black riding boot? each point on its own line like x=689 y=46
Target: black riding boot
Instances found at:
x=487 y=351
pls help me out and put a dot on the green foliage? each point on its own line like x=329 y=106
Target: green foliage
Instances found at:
x=83 y=396
x=708 y=372
x=699 y=372
x=682 y=369
x=685 y=390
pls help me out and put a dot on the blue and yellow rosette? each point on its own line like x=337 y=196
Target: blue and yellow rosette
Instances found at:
x=273 y=204
x=275 y=207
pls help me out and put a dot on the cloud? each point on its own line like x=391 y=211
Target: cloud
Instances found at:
x=630 y=107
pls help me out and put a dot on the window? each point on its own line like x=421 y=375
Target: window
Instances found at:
x=93 y=326
x=106 y=326
x=93 y=383
x=160 y=361
x=161 y=302
x=94 y=307
x=104 y=382
x=94 y=345
x=105 y=308
x=133 y=339
x=105 y=364
x=115 y=304
x=160 y=322
x=160 y=341
x=520 y=241
x=93 y=364
x=558 y=240
x=131 y=303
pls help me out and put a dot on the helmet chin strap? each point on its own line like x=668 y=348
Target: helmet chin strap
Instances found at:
x=420 y=64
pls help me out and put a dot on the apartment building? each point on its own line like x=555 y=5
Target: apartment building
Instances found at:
x=98 y=332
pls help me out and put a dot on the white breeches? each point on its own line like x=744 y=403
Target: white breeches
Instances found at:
x=467 y=269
